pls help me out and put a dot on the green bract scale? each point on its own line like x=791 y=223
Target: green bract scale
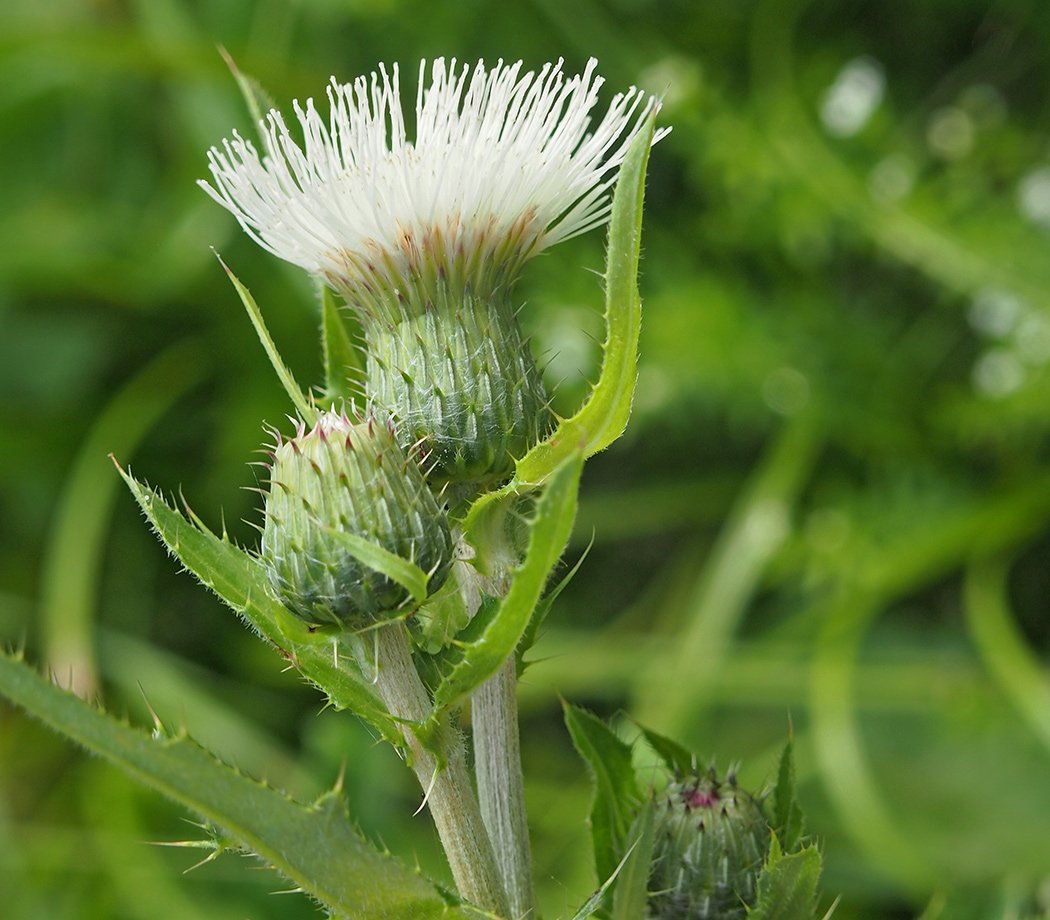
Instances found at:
x=348 y=477
x=460 y=380
x=711 y=840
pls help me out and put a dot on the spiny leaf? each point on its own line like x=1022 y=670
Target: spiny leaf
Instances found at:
x=295 y=394
x=677 y=758
x=240 y=580
x=544 y=607
x=787 y=815
x=548 y=535
x=604 y=416
x=787 y=887
x=344 y=366
x=616 y=794
x=316 y=846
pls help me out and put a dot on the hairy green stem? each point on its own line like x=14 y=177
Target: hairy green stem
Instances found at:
x=501 y=791
x=449 y=794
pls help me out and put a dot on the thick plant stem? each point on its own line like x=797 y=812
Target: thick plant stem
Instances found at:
x=449 y=794
x=497 y=762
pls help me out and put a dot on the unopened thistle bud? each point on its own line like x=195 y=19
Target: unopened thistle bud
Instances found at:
x=710 y=843
x=348 y=477
x=464 y=385
x=425 y=237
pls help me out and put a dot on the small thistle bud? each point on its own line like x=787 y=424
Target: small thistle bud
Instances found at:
x=351 y=477
x=711 y=840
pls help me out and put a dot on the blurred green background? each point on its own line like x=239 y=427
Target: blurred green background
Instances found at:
x=831 y=509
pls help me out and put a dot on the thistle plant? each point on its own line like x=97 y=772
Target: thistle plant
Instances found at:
x=416 y=509
x=680 y=842
x=710 y=841
x=424 y=239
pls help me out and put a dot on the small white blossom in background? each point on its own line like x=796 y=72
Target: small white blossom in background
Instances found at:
x=853 y=97
x=1033 y=196
x=951 y=133
x=503 y=165
x=995 y=312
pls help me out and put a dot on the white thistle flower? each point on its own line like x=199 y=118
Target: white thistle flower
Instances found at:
x=504 y=164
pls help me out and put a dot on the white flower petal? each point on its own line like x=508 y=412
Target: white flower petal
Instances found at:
x=503 y=165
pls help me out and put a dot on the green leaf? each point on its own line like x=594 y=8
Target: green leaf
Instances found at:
x=593 y=904
x=485 y=522
x=405 y=573
x=316 y=846
x=616 y=794
x=441 y=619
x=787 y=816
x=544 y=607
x=259 y=101
x=604 y=416
x=678 y=758
x=344 y=366
x=295 y=394
x=240 y=580
x=787 y=887
x=548 y=535
x=596 y=901
x=632 y=887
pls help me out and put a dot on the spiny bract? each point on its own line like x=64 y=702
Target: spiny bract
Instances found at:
x=711 y=840
x=348 y=476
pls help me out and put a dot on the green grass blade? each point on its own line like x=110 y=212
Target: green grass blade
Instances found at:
x=596 y=902
x=756 y=529
x=616 y=794
x=295 y=394
x=73 y=558
x=239 y=579
x=1003 y=648
x=842 y=757
x=604 y=416
x=548 y=536
x=316 y=847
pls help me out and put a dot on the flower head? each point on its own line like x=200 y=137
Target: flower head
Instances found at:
x=424 y=238
x=710 y=844
x=504 y=164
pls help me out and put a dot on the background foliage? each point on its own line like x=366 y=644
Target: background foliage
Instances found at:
x=831 y=508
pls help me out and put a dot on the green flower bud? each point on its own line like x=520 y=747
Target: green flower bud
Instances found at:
x=710 y=843
x=459 y=378
x=350 y=477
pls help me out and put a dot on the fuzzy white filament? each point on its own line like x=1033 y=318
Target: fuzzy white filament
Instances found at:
x=503 y=165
